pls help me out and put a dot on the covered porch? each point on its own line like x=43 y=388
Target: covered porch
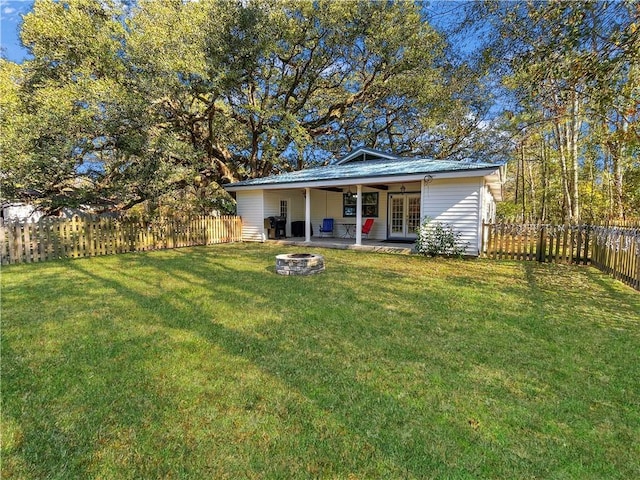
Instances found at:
x=394 y=211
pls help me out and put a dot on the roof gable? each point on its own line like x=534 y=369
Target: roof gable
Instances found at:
x=365 y=155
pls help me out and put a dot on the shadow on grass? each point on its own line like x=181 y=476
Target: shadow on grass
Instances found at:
x=379 y=428
x=370 y=398
x=114 y=393
x=590 y=295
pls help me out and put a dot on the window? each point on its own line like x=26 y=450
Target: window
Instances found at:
x=369 y=204
x=284 y=207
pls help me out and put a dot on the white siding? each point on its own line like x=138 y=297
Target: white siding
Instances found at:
x=379 y=230
x=272 y=203
x=456 y=202
x=251 y=209
x=21 y=212
x=461 y=202
x=296 y=205
x=325 y=204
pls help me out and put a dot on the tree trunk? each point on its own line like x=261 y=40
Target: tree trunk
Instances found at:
x=532 y=191
x=516 y=199
x=618 y=177
x=524 y=190
x=545 y=172
x=575 y=168
x=560 y=133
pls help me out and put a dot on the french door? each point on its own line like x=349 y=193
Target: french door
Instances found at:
x=404 y=215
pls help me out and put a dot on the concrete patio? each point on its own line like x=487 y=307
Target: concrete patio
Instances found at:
x=349 y=244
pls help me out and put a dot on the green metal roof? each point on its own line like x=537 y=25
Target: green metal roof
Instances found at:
x=367 y=169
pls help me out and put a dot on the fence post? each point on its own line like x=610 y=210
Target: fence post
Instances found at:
x=540 y=247
x=3 y=238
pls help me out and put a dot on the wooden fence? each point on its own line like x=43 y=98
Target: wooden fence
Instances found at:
x=614 y=249
x=53 y=238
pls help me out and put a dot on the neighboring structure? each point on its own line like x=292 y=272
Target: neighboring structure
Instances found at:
x=27 y=213
x=397 y=192
x=20 y=212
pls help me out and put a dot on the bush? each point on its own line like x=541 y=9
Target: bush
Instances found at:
x=436 y=238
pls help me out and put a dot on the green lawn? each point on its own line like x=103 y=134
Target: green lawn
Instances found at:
x=203 y=363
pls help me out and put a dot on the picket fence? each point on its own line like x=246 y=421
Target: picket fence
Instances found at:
x=614 y=249
x=52 y=238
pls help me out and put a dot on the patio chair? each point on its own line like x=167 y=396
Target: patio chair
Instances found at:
x=366 y=228
x=326 y=227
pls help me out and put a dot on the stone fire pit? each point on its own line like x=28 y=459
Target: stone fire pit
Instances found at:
x=299 y=264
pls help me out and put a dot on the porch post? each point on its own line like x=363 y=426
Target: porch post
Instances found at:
x=359 y=215
x=307 y=214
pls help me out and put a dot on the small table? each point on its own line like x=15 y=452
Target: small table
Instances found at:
x=349 y=230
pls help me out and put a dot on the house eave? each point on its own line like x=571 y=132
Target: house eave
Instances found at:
x=491 y=172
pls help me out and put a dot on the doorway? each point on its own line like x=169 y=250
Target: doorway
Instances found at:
x=404 y=215
x=284 y=213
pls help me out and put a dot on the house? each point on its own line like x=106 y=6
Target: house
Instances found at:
x=397 y=192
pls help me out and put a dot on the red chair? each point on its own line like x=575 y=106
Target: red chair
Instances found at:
x=366 y=228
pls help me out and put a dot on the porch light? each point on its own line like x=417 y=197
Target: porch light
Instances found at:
x=403 y=189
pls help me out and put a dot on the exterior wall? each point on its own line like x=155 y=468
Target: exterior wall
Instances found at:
x=394 y=189
x=456 y=202
x=379 y=230
x=251 y=209
x=462 y=202
x=324 y=204
x=296 y=205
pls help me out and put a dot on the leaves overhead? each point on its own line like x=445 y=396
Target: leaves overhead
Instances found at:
x=131 y=101
x=146 y=99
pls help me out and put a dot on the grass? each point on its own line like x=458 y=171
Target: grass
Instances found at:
x=202 y=363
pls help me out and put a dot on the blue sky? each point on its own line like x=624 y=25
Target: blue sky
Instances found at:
x=11 y=12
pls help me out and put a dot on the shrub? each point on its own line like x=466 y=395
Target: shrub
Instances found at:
x=436 y=238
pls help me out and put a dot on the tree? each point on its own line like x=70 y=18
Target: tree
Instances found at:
x=126 y=103
x=134 y=102
x=272 y=82
x=573 y=70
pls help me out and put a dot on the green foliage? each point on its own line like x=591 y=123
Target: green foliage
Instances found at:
x=142 y=101
x=573 y=70
x=438 y=238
